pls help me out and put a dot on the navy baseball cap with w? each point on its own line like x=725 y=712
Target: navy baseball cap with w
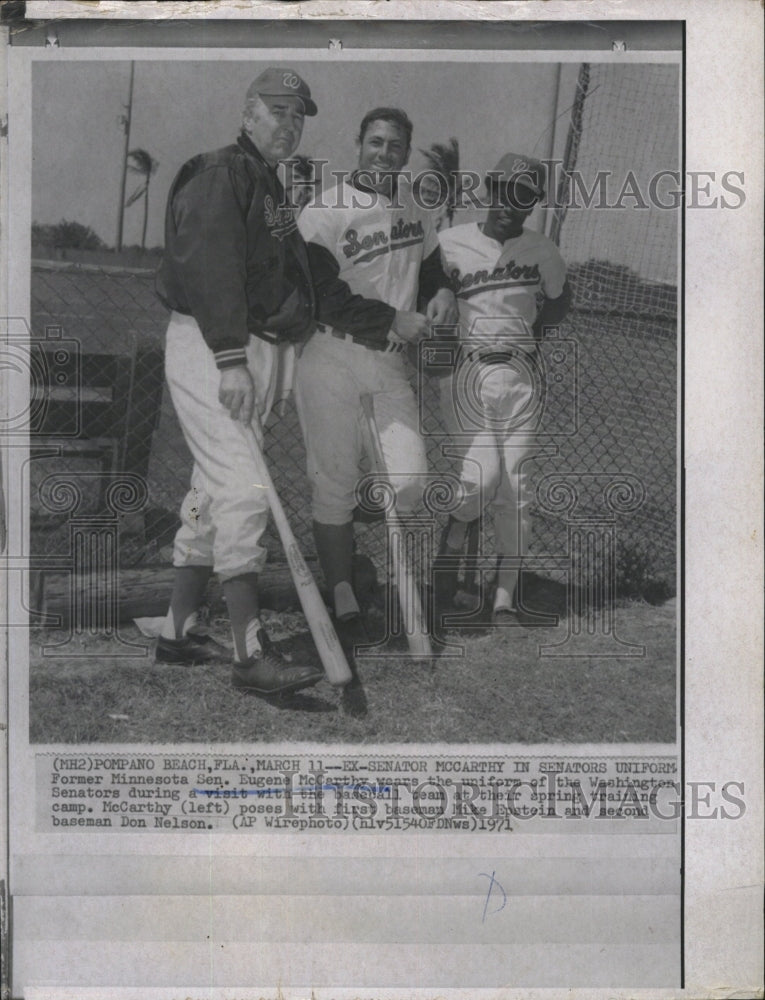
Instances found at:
x=521 y=169
x=282 y=82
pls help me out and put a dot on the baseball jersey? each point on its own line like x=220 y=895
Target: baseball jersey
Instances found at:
x=378 y=244
x=497 y=285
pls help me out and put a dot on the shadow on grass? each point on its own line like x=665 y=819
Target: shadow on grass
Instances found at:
x=297 y=701
x=542 y=603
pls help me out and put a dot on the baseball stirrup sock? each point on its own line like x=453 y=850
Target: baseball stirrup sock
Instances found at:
x=241 y=593
x=189 y=586
x=503 y=600
x=508 y=540
x=346 y=605
x=454 y=536
x=334 y=547
x=252 y=643
x=506 y=594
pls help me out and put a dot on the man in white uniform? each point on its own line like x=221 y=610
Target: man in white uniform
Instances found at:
x=510 y=282
x=386 y=249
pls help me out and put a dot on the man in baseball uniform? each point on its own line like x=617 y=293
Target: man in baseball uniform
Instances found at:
x=237 y=278
x=385 y=248
x=510 y=283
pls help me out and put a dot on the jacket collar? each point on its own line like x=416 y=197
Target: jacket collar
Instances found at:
x=245 y=142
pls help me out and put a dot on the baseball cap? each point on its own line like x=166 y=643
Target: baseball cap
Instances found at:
x=523 y=170
x=281 y=82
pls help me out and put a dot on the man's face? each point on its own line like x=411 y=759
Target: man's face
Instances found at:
x=511 y=205
x=383 y=152
x=275 y=125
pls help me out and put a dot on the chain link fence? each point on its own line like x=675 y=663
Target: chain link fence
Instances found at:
x=610 y=372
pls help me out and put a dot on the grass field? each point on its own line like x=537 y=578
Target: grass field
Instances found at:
x=499 y=690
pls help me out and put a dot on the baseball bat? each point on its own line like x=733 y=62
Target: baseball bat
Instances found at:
x=328 y=645
x=408 y=595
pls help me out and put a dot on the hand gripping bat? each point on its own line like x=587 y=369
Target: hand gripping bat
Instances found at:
x=328 y=645
x=409 y=599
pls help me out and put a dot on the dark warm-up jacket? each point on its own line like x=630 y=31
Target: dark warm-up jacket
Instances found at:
x=233 y=257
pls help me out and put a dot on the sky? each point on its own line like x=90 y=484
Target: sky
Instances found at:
x=180 y=109
x=183 y=107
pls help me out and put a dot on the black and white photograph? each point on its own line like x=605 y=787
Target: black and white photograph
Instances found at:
x=487 y=523
x=344 y=474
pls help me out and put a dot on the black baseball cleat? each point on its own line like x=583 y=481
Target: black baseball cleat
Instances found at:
x=193 y=649
x=270 y=672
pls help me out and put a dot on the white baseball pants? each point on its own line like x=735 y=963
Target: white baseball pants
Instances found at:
x=332 y=375
x=490 y=413
x=225 y=513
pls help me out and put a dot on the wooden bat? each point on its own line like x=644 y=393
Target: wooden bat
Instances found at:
x=409 y=600
x=328 y=645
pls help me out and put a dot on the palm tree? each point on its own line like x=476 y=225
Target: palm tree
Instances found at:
x=142 y=163
x=444 y=159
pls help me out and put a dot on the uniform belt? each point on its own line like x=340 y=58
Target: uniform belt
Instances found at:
x=391 y=347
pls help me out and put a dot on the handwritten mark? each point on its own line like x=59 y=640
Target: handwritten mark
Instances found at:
x=492 y=883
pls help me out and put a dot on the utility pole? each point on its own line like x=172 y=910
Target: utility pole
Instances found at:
x=125 y=122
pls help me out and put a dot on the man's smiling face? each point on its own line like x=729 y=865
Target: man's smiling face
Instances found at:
x=511 y=204
x=382 y=154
